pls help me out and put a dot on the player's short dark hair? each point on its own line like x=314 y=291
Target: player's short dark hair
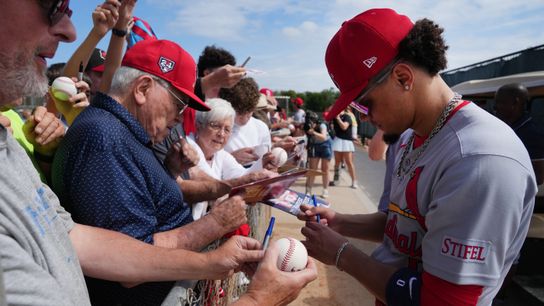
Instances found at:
x=425 y=47
x=243 y=96
x=214 y=57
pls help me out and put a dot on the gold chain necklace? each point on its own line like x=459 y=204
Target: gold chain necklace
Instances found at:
x=406 y=165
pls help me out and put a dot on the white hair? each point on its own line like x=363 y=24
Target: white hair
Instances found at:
x=219 y=111
x=123 y=78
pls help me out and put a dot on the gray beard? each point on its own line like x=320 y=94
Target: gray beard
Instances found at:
x=19 y=78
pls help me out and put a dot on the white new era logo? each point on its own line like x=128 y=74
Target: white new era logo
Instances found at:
x=370 y=61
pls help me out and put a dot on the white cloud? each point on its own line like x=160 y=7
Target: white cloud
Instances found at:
x=307 y=27
x=287 y=38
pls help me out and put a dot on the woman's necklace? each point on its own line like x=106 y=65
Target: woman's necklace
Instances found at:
x=406 y=164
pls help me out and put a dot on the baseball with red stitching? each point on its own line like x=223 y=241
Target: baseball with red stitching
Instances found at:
x=293 y=255
x=63 y=88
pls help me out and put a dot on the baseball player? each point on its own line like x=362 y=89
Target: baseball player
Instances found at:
x=462 y=186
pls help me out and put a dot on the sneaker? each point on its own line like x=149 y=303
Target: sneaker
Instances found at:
x=325 y=193
x=343 y=166
x=354 y=185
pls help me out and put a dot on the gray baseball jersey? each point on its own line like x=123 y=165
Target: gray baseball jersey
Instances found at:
x=463 y=211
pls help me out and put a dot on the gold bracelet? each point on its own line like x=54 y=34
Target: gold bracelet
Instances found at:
x=339 y=252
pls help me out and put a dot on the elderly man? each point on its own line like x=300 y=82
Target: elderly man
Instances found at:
x=43 y=251
x=106 y=174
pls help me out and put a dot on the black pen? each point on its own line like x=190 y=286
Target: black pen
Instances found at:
x=80 y=73
x=245 y=62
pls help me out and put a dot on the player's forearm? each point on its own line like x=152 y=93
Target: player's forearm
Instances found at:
x=114 y=256
x=82 y=54
x=370 y=273
x=365 y=226
x=193 y=236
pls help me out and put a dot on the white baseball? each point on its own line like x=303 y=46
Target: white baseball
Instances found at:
x=293 y=255
x=280 y=155
x=63 y=88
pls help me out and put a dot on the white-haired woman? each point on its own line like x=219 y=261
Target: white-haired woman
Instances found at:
x=213 y=129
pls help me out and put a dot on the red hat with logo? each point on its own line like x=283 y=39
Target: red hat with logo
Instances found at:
x=269 y=96
x=168 y=61
x=298 y=101
x=96 y=61
x=363 y=47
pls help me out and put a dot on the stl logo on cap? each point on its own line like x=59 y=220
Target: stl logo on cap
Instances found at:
x=166 y=65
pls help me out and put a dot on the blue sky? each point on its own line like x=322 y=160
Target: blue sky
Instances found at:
x=287 y=39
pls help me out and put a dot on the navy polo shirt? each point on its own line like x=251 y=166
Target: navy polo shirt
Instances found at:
x=106 y=175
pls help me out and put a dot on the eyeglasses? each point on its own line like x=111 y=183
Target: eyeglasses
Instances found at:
x=57 y=10
x=359 y=103
x=216 y=127
x=180 y=104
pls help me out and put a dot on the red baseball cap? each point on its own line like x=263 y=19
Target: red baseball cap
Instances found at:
x=168 y=61
x=269 y=96
x=96 y=61
x=298 y=101
x=361 y=48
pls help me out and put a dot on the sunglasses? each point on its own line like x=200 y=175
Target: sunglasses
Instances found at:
x=359 y=103
x=58 y=9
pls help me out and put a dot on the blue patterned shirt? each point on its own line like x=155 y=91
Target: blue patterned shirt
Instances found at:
x=106 y=175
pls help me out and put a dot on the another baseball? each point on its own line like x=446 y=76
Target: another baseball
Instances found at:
x=63 y=88
x=293 y=255
x=280 y=155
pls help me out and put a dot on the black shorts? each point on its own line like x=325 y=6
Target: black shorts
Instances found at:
x=320 y=150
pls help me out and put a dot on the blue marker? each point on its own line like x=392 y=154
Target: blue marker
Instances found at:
x=315 y=205
x=268 y=233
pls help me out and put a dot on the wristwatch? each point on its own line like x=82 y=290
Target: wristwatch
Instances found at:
x=117 y=32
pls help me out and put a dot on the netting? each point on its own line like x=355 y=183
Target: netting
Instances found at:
x=225 y=291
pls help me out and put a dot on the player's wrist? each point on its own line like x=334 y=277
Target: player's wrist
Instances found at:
x=338 y=262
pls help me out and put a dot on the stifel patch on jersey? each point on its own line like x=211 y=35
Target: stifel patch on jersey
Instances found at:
x=465 y=250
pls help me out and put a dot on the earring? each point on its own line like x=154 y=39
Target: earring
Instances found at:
x=406 y=87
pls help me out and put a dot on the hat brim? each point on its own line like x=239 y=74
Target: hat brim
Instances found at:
x=99 y=68
x=194 y=101
x=272 y=99
x=344 y=100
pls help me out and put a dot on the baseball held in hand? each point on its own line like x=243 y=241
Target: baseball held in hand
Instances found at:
x=280 y=155
x=63 y=88
x=293 y=255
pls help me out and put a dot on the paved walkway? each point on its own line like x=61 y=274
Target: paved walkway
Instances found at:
x=332 y=286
